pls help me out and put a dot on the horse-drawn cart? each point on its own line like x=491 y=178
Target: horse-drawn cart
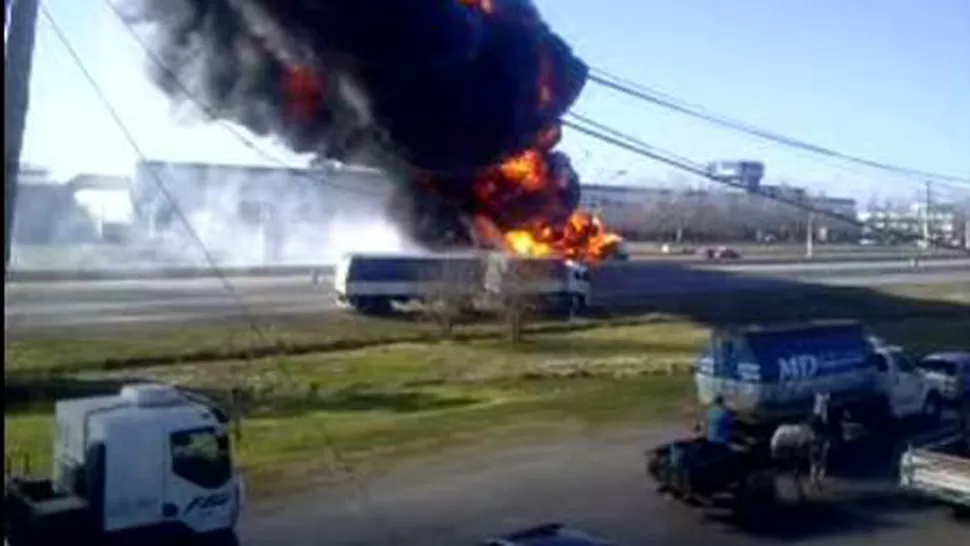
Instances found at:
x=700 y=473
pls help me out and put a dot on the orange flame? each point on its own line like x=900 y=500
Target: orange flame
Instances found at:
x=529 y=176
x=487 y=6
x=304 y=92
x=528 y=169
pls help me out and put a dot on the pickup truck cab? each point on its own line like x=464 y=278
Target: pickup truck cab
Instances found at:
x=906 y=390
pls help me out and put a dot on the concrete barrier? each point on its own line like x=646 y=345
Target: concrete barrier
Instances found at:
x=53 y=275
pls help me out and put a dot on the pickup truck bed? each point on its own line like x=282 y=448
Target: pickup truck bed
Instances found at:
x=940 y=471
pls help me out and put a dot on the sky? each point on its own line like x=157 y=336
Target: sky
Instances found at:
x=888 y=80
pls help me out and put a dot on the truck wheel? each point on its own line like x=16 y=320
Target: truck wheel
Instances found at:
x=577 y=305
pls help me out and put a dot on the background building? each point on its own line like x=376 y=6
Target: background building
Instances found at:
x=944 y=221
x=707 y=215
x=47 y=212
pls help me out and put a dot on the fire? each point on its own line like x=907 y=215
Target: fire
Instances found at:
x=528 y=169
x=529 y=177
x=305 y=92
x=487 y=6
x=525 y=203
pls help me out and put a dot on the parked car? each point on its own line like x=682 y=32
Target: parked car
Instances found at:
x=943 y=371
x=720 y=253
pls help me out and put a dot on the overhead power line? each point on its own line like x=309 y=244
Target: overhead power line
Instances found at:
x=198 y=102
x=641 y=92
x=612 y=136
x=329 y=441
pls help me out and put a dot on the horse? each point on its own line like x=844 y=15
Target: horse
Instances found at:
x=797 y=446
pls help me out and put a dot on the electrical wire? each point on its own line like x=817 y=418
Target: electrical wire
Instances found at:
x=331 y=445
x=182 y=87
x=212 y=264
x=641 y=92
x=608 y=135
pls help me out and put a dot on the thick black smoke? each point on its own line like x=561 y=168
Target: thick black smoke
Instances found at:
x=433 y=90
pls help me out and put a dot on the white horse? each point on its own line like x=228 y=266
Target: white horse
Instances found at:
x=796 y=445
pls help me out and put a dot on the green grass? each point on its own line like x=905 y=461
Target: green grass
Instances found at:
x=385 y=391
x=380 y=404
x=127 y=347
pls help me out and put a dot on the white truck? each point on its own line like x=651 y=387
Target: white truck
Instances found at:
x=940 y=470
x=770 y=374
x=546 y=283
x=372 y=283
x=150 y=465
x=907 y=391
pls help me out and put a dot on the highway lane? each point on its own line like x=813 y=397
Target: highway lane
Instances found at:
x=597 y=483
x=32 y=306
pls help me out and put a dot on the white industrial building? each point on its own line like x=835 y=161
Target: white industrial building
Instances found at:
x=650 y=213
x=937 y=220
x=251 y=215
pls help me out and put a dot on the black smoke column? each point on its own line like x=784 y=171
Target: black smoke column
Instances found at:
x=434 y=91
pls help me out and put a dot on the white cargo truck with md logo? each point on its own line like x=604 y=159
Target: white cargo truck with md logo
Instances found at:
x=150 y=465
x=771 y=374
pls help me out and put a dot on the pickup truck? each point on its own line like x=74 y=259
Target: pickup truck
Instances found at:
x=939 y=470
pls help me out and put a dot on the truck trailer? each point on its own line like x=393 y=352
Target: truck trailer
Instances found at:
x=372 y=283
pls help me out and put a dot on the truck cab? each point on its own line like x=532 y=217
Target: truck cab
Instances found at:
x=907 y=391
x=147 y=463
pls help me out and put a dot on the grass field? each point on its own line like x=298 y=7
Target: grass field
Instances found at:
x=386 y=391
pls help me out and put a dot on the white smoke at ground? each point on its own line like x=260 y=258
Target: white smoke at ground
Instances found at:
x=255 y=216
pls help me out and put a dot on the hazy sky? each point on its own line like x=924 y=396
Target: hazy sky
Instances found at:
x=885 y=79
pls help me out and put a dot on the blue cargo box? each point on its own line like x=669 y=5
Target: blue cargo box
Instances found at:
x=777 y=370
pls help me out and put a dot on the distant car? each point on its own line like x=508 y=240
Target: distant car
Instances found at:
x=941 y=370
x=550 y=534
x=720 y=253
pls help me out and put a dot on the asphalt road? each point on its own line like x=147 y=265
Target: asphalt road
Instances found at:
x=40 y=305
x=599 y=485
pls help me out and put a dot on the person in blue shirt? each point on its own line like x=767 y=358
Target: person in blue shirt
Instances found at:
x=720 y=423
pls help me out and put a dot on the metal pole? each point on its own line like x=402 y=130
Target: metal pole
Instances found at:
x=926 y=213
x=19 y=52
x=810 y=236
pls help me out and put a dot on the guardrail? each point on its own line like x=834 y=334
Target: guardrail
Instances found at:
x=105 y=274
x=53 y=275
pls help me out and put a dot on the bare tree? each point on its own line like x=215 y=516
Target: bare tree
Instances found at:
x=453 y=284
x=510 y=282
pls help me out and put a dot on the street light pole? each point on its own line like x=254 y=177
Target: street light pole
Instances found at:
x=810 y=236
x=18 y=56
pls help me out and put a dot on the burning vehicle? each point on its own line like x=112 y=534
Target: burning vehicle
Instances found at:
x=459 y=101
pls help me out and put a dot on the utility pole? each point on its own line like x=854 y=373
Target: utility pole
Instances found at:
x=810 y=236
x=18 y=57
x=966 y=234
x=927 y=203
